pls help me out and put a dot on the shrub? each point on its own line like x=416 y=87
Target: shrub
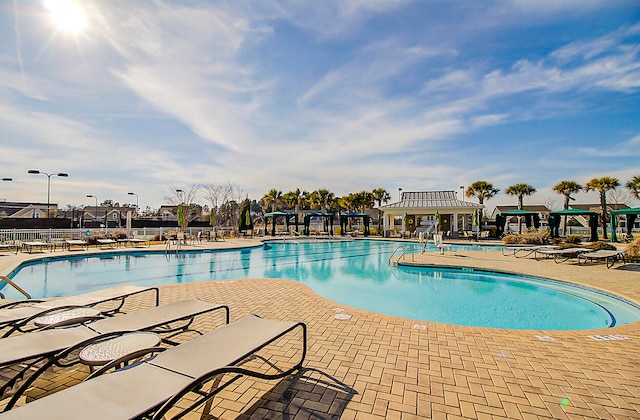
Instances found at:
x=573 y=239
x=633 y=250
x=511 y=238
x=601 y=245
x=532 y=237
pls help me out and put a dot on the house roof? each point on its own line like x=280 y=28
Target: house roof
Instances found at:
x=12 y=207
x=430 y=199
x=596 y=207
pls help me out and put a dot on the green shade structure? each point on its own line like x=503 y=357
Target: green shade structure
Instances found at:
x=328 y=217
x=555 y=216
x=531 y=218
x=274 y=215
x=344 y=217
x=631 y=214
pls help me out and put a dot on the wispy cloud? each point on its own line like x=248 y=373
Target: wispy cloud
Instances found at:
x=347 y=95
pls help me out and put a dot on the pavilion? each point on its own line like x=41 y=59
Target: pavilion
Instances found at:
x=422 y=211
x=631 y=214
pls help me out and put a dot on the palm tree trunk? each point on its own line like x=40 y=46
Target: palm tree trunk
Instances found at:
x=603 y=206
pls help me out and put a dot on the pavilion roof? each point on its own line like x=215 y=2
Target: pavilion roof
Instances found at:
x=430 y=199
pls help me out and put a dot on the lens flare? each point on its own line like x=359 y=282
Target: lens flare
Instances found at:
x=66 y=14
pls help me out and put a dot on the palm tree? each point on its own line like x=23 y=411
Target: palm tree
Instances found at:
x=364 y=200
x=347 y=202
x=520 y=190
x=323 y=199
x=482 y=190
x=603 y=185
x=273 y=197
x=633 y=185
x=566 y=188
x=295 y=199
x=380 y=196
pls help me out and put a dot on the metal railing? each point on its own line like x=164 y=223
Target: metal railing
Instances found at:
x=15 y=286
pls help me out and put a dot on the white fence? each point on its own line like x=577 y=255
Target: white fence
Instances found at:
x=23 y=235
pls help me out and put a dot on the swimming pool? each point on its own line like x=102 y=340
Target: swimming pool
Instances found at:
x=353 y=273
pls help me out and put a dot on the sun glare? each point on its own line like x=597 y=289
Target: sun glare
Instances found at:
x=66 y=14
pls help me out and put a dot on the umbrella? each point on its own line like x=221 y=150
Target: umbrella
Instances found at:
x=181 y=216
x=248 y=219
x=437 y=221
x=474 y=220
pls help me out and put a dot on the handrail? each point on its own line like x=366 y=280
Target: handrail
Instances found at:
x=15 y=286
x=404 y=252
x=396 y=250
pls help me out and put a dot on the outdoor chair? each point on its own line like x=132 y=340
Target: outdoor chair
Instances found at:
x=153 y=387
x=59 y=346
x=68 y=244
x=17 y=316
x=559 y=255
x=108 y=243
x=608 y=256
x=523 y=251
x=9 y=247
x=33 y=246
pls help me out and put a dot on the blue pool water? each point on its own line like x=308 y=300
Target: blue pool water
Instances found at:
x=356 y=274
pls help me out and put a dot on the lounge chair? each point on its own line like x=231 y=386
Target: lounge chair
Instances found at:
x=57 y=346
x=9 y=247
x=609 y=257
x=32 y=246
x=153 y=387
x=16 y=315
x=524 y=250
x=559 y=255
x=70 y=243
x=469 y=235
x=109 y=243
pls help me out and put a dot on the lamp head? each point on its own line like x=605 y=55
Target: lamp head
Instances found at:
x=62 y=174
x=33 y=171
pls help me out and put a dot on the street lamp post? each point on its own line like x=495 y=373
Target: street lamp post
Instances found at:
x=61 y=174
x=180 y=195
x=93 y=196
x=137 y=204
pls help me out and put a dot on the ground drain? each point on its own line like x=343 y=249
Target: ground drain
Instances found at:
x=610 y=337
x=342 y=317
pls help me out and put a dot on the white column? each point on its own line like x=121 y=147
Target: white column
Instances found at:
x=455 y=224
x=385 y=223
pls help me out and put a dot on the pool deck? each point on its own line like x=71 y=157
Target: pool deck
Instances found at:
x=376 y=366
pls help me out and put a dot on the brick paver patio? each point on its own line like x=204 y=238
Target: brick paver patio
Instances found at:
x=375 y=366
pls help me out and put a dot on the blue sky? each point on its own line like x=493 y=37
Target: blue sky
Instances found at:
x=149 y=96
